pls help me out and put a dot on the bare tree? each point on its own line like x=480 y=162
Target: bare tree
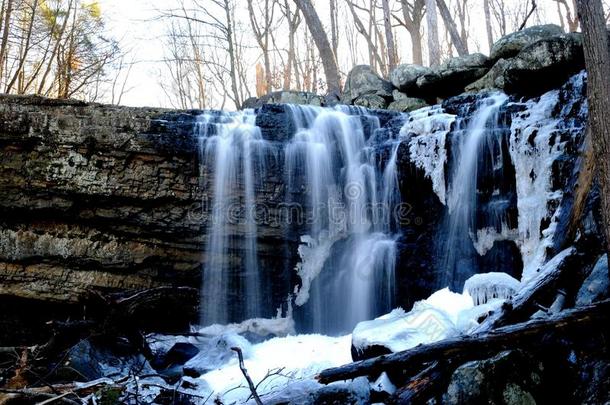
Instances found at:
x=261 y=30
x=434 y=48
x=459 y=45
x=387 y=24
x=334 y=27
x=320 y=38
x=488 y=28
x=571 y=15
x=597 y=61
x=412 y=16
x=375 y=58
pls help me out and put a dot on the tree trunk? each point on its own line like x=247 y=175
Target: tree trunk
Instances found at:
x=412 y=15
x=24 y=53
x=389 y=36
x=5 y=31
x=597 y=62
x=434 y=51
x=488 y=28
x=459 y=45
x=418 y=58
x=329 y=63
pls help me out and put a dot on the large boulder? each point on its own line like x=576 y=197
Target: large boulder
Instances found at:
x=363 y=81
x=494 y=79
x=511 y=44
x=285 y=97
x=407 y=104
x=544 y=65
x=453 y=76
x=371 y=101
x=508 y=378
x=405 y=76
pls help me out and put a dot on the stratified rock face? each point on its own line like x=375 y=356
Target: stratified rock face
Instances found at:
x=93 y=200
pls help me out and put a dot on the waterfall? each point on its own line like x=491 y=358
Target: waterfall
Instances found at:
x=462 y=195
x=232 y=148
x=348 y=255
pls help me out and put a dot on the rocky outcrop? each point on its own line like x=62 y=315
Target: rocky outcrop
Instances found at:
x=365 y=88
x=540 y=66
x=510 y=45
x=285 y=97
x=405 y=76
x=453 y=75
x=407 y=104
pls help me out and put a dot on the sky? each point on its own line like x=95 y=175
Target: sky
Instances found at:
x=136 y=24
x=133 y=22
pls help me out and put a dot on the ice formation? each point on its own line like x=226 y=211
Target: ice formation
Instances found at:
x=428 y=128
x=486 y=237
x=485 y=287
x=313 y=254
x=278 y=326
x=535 y=144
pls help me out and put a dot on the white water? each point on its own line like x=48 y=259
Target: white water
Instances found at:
x=348 y=257
x=232 y=145
x=462 y=196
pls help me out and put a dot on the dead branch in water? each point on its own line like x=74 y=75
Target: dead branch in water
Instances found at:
x=244 y=371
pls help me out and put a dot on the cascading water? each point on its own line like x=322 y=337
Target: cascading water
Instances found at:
x=348 y=256
x=232 y=145
x=461 y=234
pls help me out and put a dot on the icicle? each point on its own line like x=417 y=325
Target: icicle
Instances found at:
x=487 y=286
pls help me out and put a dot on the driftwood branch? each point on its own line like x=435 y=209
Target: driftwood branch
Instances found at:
x=474 y=347
x=244 y=371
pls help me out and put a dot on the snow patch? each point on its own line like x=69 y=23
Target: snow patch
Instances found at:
x=278 y=362
x=400 y=330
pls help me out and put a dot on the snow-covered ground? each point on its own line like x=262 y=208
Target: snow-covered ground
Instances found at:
x=287 y=366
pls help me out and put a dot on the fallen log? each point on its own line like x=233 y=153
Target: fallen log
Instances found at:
x=424 y=385
x=571 y=264
x=475 y=347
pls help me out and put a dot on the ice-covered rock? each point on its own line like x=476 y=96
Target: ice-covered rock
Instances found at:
x=216 y=353
x=485 y=287
x=426 y=130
